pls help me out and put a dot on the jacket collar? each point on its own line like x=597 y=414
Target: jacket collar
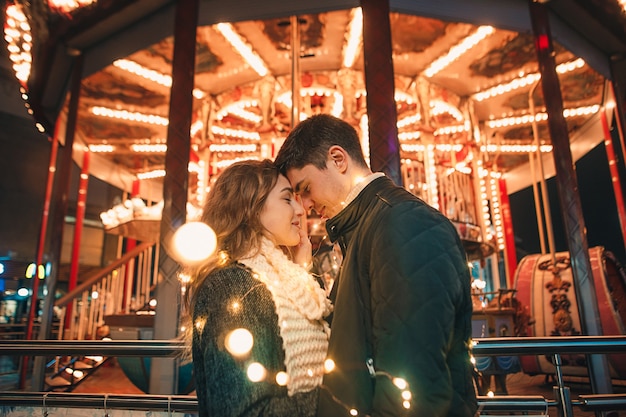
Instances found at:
x=348 y=218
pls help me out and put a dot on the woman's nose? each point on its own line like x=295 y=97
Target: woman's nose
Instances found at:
x=299 y=210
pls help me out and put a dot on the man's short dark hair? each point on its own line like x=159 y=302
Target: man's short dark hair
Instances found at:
x=309 y=141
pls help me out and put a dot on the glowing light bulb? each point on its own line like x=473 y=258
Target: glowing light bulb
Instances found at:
x=400 y=383
x=256 y=372
x=282 y=378
x=329 y=365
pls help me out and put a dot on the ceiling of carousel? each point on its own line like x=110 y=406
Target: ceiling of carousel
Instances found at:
x=242 y=111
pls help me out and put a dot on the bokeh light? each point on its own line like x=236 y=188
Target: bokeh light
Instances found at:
x=329 y=365
x=400 y=383
x=282 y=378
x=193 y=242
x=239 y=342
x=256 y=372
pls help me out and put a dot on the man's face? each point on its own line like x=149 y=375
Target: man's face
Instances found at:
x=321 y=190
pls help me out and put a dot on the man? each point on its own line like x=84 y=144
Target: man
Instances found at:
x=402 y=299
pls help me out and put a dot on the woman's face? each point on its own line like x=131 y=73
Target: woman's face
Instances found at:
x=282 y=214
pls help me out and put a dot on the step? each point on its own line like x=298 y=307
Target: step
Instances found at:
x=57 y=381
x=81 y=365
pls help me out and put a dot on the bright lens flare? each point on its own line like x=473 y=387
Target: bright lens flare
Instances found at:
x=193 y=242
x=239 y=342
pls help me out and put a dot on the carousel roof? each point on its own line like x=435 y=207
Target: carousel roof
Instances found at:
x=476 y=60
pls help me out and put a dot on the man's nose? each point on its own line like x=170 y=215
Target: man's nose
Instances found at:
x=307 y=203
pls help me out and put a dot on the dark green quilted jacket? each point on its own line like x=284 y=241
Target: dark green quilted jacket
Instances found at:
x=402 y=299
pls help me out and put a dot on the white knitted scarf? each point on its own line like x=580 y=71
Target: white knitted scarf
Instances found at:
x=300 y=305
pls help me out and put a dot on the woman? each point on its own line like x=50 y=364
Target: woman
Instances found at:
x=252 y=293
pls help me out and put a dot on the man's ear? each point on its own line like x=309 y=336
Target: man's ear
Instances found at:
x=338 y=157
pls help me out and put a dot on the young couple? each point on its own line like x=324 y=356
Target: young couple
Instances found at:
x=400 y=321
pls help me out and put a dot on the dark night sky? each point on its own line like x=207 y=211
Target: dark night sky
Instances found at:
x=598 y=204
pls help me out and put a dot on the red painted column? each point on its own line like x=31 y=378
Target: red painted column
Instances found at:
x=615 y=180
x=618 y=88
x=42 y=235
x=34 y=302
x=509 y=235
x=379 y=83
x=81 y=202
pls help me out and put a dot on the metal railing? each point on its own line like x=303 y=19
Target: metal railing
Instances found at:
x=555 y=346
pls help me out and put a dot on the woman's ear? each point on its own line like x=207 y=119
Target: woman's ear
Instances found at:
x=338 y=157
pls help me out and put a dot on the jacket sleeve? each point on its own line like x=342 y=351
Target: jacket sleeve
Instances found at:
x=416 y=282
x=230 y=302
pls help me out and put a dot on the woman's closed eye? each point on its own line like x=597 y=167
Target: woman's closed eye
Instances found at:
x=288 y=196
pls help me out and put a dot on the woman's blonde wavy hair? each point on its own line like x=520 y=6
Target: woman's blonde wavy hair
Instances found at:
x=233 y=210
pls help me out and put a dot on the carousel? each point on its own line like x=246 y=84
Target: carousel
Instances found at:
x=472 y=124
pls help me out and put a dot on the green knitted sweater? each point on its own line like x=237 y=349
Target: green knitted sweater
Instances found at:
x=231 y=298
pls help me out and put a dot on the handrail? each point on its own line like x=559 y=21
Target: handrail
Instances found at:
x=152 y=348
x=171 y=403
x=481 y=346
x=600 y=401
x=94 y=278
x=548 y=345
x=512 y=403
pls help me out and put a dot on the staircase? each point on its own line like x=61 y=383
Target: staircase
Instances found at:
x=65 y=374
x=118 y=294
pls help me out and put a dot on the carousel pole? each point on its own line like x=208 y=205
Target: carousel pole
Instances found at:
x=295 y=71
x=599 y=374
x=130 y=245
x=163 y=371
x=544 y=202
x=379 y=83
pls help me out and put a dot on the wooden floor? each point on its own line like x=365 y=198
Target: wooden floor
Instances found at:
x=108 y=379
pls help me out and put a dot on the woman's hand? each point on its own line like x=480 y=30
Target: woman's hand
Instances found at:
x=303 y=251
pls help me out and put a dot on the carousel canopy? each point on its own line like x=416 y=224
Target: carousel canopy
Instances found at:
x=465 y=72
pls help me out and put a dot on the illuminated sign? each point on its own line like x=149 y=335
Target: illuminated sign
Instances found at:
x=41 y=271
x=18 y=269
